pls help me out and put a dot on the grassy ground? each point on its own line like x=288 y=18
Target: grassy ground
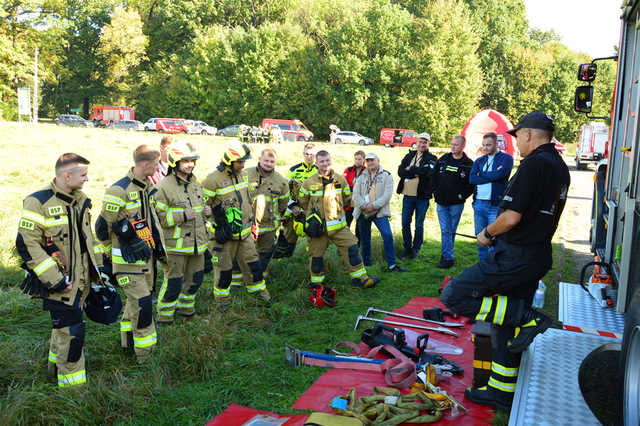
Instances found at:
x=203 y=364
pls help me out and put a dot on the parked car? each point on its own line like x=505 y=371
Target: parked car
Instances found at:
x=229 y=130
x=130 y=125
x=170 y=125
x=291 y=129
x=199 y=128
x=72 y=121
x=150 y=125
x=352 y=137
x=398 y=137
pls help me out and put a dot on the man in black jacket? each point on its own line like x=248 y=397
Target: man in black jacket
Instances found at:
x=451 y=189
x=415 y=171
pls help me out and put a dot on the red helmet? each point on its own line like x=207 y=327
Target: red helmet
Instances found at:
x=322 y=296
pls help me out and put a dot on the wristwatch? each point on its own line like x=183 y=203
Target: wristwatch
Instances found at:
x=487 y=235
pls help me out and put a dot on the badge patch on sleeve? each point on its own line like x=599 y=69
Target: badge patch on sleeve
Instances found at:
x=133 y=195
x=111 y=207
x=123 y=280
x=55 y=210
x=27 y=224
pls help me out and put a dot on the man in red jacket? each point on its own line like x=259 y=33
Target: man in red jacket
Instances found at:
x=351 y=174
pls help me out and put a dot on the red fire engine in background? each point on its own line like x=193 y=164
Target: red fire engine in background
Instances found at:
x=101 y=115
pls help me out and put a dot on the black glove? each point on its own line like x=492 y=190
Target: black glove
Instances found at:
x=208 y=264
x=106 y=271
x=158 y=251
x=61 y=285
x=132 y=247
x=32 y=286
x=223 y=229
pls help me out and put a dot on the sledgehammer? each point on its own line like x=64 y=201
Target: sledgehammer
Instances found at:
x=402 y=324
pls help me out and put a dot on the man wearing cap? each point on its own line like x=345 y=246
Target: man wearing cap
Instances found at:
x=490 y=174
x=499 y=289
x=415 y=171
x=372 y=192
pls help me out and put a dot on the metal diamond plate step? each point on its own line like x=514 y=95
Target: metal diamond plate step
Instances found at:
x=547 y=392
x=578 y=309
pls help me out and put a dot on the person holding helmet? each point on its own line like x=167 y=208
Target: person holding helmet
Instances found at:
x=415 y=172
x=291 y=227
x=179 y=203
x=270 y=196
x=323 y=198
x=227 y=192
x=128 y=229
x=61 y=259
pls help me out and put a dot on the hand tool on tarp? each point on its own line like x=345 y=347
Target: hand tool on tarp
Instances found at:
x=403 y=324
x=399 y=371
x=396 y=314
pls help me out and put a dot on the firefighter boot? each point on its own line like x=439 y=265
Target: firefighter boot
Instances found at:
x=532 y=324
x=365 y=283
x=485 y=396
x=223 y=303
x=264 y=295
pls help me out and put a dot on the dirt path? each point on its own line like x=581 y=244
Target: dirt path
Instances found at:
x=576 y=219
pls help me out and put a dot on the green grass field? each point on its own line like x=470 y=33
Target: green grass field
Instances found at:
x=200 y=365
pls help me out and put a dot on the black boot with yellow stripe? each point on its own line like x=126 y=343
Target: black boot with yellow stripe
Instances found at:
x=532 y=324
x=487 y=396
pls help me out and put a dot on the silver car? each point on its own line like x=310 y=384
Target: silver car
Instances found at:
x=352 y=137
x=199 y=128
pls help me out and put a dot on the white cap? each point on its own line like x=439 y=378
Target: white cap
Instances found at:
x=424 y=135
x=371 y=155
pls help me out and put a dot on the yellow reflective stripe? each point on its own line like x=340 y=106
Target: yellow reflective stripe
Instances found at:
x=134 y=205
x=113 y=199
x=177 y=231
x=33 y=216
x=125 y=326
x=186 y=305
x=119 y=260
x=346 y=190
x=227 y=189
x=198 y=209
x=162 y=206
x=187 y=296
x=208 y=192
x=303 y=191
x=203 y=247
x=98 y=248
x=245 y=231
x=287 y=195
x=180 y=249
x=266 y=229
x=62 y=220
x=483 y=365
x=504 y=387
x=165 y=305
x=256 y=287
x=146 y=341
x=498 y=317
x=317 y=278
x=316 y=193
x=332 y=225
x=44 y=265
x=52 y=357
x=504 y=371
x=360 y=272
x=484 y=309
x=220 y=291
x=73 y=379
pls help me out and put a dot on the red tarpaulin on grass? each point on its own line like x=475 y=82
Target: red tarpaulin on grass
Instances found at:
x=338 y=381
x=236 y=415
x=487 y=121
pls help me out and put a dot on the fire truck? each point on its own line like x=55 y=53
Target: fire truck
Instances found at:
x=589 y=372
x=101 y=115
x=591 y=144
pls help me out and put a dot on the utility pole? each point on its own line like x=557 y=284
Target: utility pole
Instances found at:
x=35 y=89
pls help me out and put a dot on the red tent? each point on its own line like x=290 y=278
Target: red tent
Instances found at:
x=487 y=121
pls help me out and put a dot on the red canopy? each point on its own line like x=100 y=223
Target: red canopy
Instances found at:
x=487 y=121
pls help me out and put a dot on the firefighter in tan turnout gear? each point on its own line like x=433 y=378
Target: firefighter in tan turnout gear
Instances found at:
x=180 y=207
x=57 y=247
x=291 y=226
x=270 y=195
x=128 y=228
x=227 y=191
x=323 y=197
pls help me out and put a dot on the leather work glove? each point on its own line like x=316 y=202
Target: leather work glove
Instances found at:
x=132 y=247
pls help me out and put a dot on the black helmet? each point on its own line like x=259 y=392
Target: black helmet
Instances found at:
x=103 y=304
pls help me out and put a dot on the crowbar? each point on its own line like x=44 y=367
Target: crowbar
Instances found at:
x=473 y=237
x=395 y=314
x=402 y=324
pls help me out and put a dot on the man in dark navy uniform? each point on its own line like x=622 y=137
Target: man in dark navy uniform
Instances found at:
x=499 y=289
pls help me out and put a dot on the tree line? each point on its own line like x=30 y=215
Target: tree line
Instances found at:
x=361 y=64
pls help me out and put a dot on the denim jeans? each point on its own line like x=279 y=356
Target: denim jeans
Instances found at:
x=484 y=214
x=382 y=223
x=449 y=216
x=409 y=205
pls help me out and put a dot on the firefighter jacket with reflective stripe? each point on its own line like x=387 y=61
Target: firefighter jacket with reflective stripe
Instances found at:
x=174 y=195
x=127 y=198
x=297 y=175
x=269 y=195
x=231 y=190
x=51 y=216
x=328 y=195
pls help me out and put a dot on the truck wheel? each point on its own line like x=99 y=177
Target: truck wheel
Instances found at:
x=599 y=380
x=630 y=363
x=204 y=133
x=361 y=142
x=580 y=165
x=337 y=141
